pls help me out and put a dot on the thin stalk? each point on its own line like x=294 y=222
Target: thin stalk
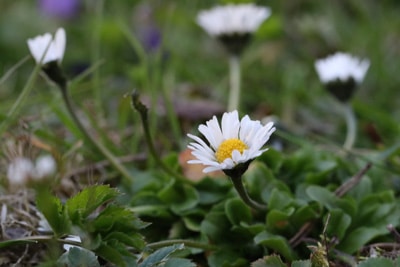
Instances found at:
x=95 y=48
x=21 y=99
x=143 y=111
x=171 y=114
x=188 y=243
x=234 y=81
x=351 y=126
x=13 y=69
x=113 y=160
x=238 y=184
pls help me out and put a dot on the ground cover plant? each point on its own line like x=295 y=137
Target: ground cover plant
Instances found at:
x=199 y=133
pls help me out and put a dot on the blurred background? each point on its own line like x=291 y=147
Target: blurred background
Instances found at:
x=157 y=45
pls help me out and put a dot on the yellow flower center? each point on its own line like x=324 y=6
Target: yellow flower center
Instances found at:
x=226 y=148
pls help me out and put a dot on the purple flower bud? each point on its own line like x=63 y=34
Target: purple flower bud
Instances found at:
x=62 y=9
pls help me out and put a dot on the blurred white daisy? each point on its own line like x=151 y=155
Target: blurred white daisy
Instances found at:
x=341 y=66
x=232 y=19
x=341 y=73
x=20 y=170
x=45 y=166
x=235 y=142
x=44 y=48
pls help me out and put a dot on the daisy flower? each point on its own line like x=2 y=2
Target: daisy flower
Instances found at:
x=232 y=24
x=45 y=166
x=232 y=19
x=235 y=142
x=20 y=170
x=341 y=73
x=44 y=48
x=341 y=66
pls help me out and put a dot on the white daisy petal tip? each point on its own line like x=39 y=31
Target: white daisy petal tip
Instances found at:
x=341 y=66
x=46 y=48
x=233 y=143
x=232 y=19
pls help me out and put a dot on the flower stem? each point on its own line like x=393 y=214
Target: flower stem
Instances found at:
x=234 y=80
x=113 y=160
x=238 y=184
x=95 y=54
x=351 y=126
x=188 y=243
x=143 y=111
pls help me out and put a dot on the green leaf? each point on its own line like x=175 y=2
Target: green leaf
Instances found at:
x=322 y=196
x=324 y=169
x=89 y=199
x=272 y=158
x=172 y=161
x=53 y=211
x=276 y=243
x=215 y=226
x=306 y=263
x=115 y=218
x=269 y=261
x=212 y=190
x=226 y=258
x=77 y=257
x=190 y=198
x=237 y=211
x=180 y=197
x=260 y=181
x=160 y=255
x=338 y=224
x=277 y=219
x=305 y=214
x=279 y=199
x=193 y=219
x=375 y=262
x=177 y=262
x=134 y=240
x=111 y=254
x=359 y=237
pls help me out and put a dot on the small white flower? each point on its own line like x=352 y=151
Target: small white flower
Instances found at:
x=236 y=141
x=74 y=238
x=20 y=171
x=232 y=19
x=341 y=66
x=54 y=48
x=45 y=166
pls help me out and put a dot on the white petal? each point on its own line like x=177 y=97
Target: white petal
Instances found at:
x=20 y=170
x=230 y=125
x=341 y=66
x=231 y=19
x=60 y=41
x=38 y=46
x=45 y=49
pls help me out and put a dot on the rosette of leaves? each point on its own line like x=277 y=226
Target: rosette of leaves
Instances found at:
x=109 y=230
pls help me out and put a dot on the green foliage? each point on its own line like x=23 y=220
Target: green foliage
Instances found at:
x=53 y=211
x=381 y=262
x=164 y=257
x=109 y=230
x=297 y=179
x=83 y=204
x=77 y=257
x=269 y=261
x=276 y=243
